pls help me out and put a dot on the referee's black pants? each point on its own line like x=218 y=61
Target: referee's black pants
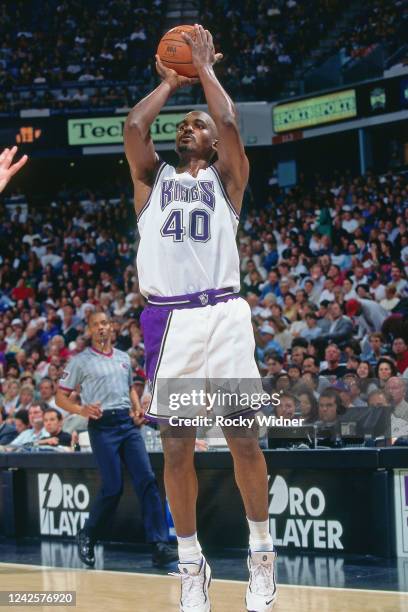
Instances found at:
x=115 y=439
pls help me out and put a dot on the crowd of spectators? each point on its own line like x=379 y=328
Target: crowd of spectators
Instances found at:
x=324 y=270
x=66 y=54
x=101 y=46
x=266 y=40
x=379 y=22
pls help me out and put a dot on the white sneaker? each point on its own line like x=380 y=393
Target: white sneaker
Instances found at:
x=195 y=582
x=261 y=592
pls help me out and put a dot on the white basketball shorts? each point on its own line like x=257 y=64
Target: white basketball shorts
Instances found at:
x=206 y=343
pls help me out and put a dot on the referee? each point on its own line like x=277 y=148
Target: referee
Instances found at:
x=104 y=376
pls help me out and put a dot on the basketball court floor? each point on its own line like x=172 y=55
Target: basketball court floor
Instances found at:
x=124 y=581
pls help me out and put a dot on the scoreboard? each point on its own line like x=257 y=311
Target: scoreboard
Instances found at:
x=362 y=101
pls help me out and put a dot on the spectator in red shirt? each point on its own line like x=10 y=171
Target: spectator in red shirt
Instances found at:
x=22 y=292
x=400 y=350
x=58 y=349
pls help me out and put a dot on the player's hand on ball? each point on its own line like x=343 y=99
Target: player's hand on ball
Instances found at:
x=202 y=48
x=170 y=76
x=91 y=411
x=7 y=169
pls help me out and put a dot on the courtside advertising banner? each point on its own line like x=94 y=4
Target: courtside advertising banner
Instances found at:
x=311 y=509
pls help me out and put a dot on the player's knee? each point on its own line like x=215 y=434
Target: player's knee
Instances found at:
x=177 y=454
x=243 y=449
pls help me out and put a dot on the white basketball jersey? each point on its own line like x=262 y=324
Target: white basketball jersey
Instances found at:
x=187 y=228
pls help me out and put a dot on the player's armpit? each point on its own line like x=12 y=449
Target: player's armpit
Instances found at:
x=143 y=188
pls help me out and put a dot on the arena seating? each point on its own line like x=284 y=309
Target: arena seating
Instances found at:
x=323 y=309
x=109 y=62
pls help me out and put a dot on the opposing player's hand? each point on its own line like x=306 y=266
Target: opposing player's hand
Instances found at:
x=7 y=169
x=170 y=76
x=202 y=48
x=91 y=411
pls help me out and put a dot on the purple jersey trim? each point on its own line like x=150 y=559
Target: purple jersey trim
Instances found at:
x=208 y=297
x=224 y=192
x=146 y=205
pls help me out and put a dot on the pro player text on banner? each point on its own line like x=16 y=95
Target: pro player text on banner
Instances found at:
x=62 y=506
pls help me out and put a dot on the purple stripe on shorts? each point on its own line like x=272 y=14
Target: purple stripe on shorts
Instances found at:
x=208 y=297
x=154 y=322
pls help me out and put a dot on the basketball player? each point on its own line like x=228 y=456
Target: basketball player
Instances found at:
x=105 y=377
x=7 y=169
x=195 y=323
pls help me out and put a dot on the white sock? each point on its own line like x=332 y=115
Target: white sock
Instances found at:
x=260 y=539
x=189 y=549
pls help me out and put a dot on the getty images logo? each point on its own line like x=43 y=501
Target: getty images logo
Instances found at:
x=62 y=505
x=294 y=518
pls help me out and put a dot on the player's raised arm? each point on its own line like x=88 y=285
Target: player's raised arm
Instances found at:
x=139 y=148
x=232 y=162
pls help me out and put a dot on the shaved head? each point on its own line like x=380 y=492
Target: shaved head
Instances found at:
x=206 y=118
x=197 y=136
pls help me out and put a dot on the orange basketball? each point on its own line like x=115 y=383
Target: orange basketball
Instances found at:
x=175 y=53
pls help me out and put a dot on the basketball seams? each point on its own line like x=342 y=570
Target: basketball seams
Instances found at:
x=165 y=61
x=180 y=42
